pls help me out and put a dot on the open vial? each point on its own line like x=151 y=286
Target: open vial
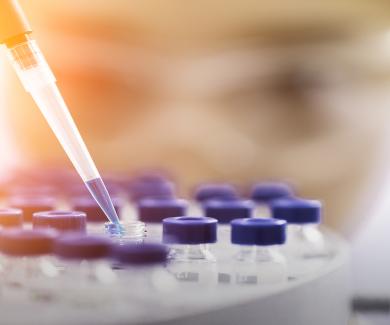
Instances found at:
x=190 y=258
x=87 y=277
x=126 y=231
x=154 y=211
x=28 y=270
x=264 y=193
x=257 y=259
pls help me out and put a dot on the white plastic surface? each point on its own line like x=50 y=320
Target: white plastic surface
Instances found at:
x=320 y=298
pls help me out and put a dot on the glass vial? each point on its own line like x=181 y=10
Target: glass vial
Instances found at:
x=190 y=258
x=257 y=259
x=27 y=269
x=86 y=279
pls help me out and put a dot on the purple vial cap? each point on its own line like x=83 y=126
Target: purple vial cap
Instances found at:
x=258 y=231
x=62 y=221
x=31 y=204
x=222 y=192
x=155 y=210
x=141 y=254
x=11 y=217
x=79 y=246
x=268 y=191
x=92 y=209
x=139 y=191
x=226 y=211
x=297 y=210
x=26 y=242
x=189 y=230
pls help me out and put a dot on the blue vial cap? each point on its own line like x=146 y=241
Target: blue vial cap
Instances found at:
x=223 y=192
x=141 y=254
x=297 y=211
x=63 y=221
x=258 y=231
x=80 y=246
x=268 y=191
x=141 y=189
x=189 y=230
x=31 y=204
x=226 y=211
x=11 y=217
x=155 y=210
x=93 y=211
x=26 y=242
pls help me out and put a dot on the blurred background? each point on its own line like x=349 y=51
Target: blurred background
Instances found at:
x=235 y=91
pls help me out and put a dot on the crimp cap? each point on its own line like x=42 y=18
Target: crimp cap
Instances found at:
x=189 y=230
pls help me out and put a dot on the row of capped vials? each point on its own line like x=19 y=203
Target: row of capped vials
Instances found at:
x=236 y=242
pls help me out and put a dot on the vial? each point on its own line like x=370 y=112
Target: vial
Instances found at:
x=31 y=204
x=142 y=276
x=305 y=242
x=225 y=212
x=257 y=259
x=153 y=211
x=95 y=215
x=87 y=278
x=27 y=268
x=11 y=218
x=126 y=231
x=190 y=258
x=150 y=186
x=62 y=221
x=221 y=192
x=265 y=192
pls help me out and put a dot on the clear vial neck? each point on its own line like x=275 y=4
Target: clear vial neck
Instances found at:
x=257 y=254
x=133 y=231
x=183 y=253
x=309 y=233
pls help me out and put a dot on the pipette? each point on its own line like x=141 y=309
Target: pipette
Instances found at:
x=37 y=79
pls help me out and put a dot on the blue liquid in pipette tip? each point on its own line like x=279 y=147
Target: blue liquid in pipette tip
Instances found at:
x=99 y=192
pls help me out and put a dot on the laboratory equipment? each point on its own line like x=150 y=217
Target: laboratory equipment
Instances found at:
x=26 y=265
x=11 y=218
x=153 y=211
x=142 y=268
x=190 y=258
x=190 y=292
x=225 y=212
x=127 y=232
x=86 y=277
x=215 y=191
x=150 y=186
x=257 y=259
x=263 y=193
x=38 y=80
x=305 y=242
x=95 y=216
x=62 y=221
x=31 y=204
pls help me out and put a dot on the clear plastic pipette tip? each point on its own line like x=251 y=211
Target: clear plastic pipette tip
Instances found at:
x=99 y=192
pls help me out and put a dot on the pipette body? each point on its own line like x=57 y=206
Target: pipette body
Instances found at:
x=38 y=80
